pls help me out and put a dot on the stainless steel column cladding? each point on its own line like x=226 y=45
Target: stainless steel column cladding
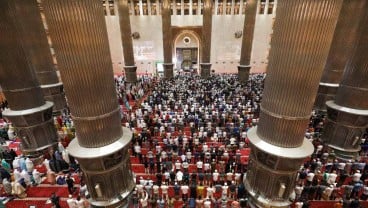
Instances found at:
x=341 y=48
x=29 y=113
x=78 y=31
x=206 y=39
x=247 y=40
x=167 y=39
x=40 y=57
x=303 y=31
x=126 y=39
x=347 y=115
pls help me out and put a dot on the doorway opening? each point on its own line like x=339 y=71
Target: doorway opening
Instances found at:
x=187 y=52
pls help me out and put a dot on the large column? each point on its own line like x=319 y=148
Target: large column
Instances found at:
x=167 y=39
x=247 y=40
x=126 y=39
x=29 y=113
x=206 y=39
x=347 y=115
x=39 y=54
x=78 y=30
x=303 y=31
x=340 y=51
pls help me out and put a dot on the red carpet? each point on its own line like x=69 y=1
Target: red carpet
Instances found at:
x=36 y=203
x=61 y=191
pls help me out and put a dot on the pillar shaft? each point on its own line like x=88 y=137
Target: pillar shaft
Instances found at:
x=340 y=51
x=39 y=54
x=347 y=115
x=168 y=70
x=243 y=73
x=206 y=31
x=166 y=31
x=126 y=38
x=167 y=39
x=29 y=113
x=248 y=31
x=303 y=31
x=79 y=34
x=206 y=38
x=247 y=40
x=205 y=70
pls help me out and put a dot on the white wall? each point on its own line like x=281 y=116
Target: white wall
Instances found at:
x=261 y=42
x=147 y=49
x=225 y=49
x=186 y=20
x=116 y=49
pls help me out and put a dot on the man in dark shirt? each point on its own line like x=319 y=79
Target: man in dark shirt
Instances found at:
x=70 y=183
x=193 y=191
x=355 y=203
x=55 y=200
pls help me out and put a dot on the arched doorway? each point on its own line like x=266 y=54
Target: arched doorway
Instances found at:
x=186 y=49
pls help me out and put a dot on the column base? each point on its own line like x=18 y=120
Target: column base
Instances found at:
x=205 y=70
x=243 y=73
x=257 y=201
x=121 y=201
x=35 y=127
x=344 y=154
x=168 y=70
x=131 y=73
x=107 y=169
x=55 y=93
x=344 y=129
x=272 y=170
x=326 y=92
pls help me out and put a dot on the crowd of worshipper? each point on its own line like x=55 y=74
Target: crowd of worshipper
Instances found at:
x=189 y=134
x=194 y=130
x=324 y=177
x=18 y=172
x=132 y=91
x=203 y=123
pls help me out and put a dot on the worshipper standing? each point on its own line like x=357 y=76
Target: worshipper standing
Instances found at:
x=184 y=192
x=71 y=202
x=5 y=165
x=80 y=202
x=70 y=183
x=164 y=191
x=177 y=189
x=161 y=202
x=199 y=202
x=36 y=177
x=55 y=200
x=19 y=190
x=144 y=201
x=4 y=173
x=192 y=202
x=170 y=202
x=27 y=178
x=7 y=186
x=29 y=165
